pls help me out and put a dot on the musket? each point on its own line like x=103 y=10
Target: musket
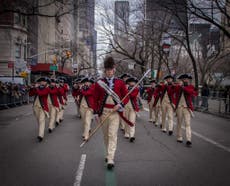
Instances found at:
x=109 y=91
x=106 y=117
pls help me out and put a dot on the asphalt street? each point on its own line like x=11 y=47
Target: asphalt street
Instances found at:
x=154 y=159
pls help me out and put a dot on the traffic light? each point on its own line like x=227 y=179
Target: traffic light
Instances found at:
x=23 y=74
x=55 y=60
x=68 y=54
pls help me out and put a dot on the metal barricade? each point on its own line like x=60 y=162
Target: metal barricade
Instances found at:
x=212 y=104
x=8 y=100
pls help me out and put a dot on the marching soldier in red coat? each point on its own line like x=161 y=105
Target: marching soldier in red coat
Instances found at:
x=105 y=104
x=40 y=106
x=184 y=92
x=62 y=101
x=150 y=100
x=167 y=104
x=157 y=104
x=123 y=125
x=76 y=93
x=54 y=104
x=132 y=107
x=63 y=90
x=87 y=105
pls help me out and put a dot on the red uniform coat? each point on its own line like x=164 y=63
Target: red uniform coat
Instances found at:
x=157 y=95
x=42 y=94
x=54 y=96
x=189 y=93
x=66 y=89
x=88 y=93
x=169 y=89
x=76 y=92
x=100 y=97
x=133 y=98
x=61 y=94
x=150 y=92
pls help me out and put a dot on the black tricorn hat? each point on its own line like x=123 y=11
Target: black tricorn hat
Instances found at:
x=109 y=63
x=185 y=76
x=52 y=80
x=87 y=79
x=125 y=75
x=42 y=79
x=168 y=76
x=152 y=81
x=131 y=79
x=78 y=80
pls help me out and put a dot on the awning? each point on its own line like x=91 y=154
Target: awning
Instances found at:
x=44 y=67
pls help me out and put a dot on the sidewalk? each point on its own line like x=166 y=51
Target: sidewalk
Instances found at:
x=213 y=108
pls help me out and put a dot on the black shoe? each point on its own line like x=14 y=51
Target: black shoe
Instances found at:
x=161 y=126
x=154 y=122
x=170 y=133
x=126 y=137
x=61 y=120
x=132 y=139
x=106 y=160
x=39 y=138
x=179 y=141
x=110 y=166
x=50 y=130
x=188 y=143
x=90 y=131
x=57 y=123
x=164 y=131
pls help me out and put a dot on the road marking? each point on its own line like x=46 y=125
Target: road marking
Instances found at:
x=110 y=177
x=211 y=141
x=80 y=170
x=205 y=138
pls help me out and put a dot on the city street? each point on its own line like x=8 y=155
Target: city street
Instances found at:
x=154 y=159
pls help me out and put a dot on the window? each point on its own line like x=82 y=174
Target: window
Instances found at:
x=17 y=18
x=18 y=51
x=24 y=21
x=25 y=52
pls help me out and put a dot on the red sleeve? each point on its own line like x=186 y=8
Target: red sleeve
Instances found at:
x=134 y=93
x=124 y=92
x=61 y=91
x=98 y=96
x=190 y=90
x=32 y=92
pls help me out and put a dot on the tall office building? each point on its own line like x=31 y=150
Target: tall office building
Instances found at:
x=121 y=21
x=85 y=35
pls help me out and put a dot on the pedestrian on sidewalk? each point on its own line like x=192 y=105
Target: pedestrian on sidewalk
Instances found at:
x=227 y=99
x=204 y=97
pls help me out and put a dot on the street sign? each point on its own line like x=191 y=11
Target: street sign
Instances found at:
x=53 y=68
